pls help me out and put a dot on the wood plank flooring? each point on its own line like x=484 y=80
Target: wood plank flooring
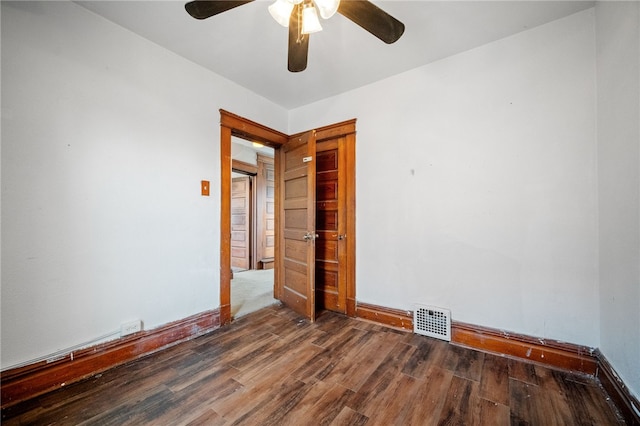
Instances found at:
x=274 y=368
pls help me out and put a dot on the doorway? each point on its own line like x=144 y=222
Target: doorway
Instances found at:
x=252 y=226
x=338 y=135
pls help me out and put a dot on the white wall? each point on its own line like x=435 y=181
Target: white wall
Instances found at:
x=477 y=184
x=618 y=52
x=105 y=138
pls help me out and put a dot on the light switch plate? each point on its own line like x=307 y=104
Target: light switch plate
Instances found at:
x=204 y=188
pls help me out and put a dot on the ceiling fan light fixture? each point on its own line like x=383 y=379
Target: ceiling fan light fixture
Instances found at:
x=281 y=10
x=327 y=8
x=301 y=17
x=310 y=21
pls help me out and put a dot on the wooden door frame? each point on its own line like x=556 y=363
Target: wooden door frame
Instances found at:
x=235 y=125
x=231 y=124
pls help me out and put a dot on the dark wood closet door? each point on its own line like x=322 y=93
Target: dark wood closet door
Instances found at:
x=330 y=226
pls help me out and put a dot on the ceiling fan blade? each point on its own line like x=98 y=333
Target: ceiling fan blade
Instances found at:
x=298 y=42
x=201 y=9
x=373 y=19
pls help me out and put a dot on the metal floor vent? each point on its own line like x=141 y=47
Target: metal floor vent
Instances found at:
x=433 y=322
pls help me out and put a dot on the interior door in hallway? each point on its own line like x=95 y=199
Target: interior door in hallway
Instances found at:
x=265 y=213
x=331 y=289
x=297 y=172
x=240 y=222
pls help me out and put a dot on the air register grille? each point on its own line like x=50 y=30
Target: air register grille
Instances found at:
x=432 y=321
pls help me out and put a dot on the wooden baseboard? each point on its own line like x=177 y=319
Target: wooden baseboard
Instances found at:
x=556 y=354
x=628 y=405
x=20 y=384
x=390 y=317
x=565 y=356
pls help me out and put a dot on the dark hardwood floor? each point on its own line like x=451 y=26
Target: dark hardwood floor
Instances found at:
x=274 y=368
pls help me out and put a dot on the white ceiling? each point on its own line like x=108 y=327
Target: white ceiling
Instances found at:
x=247 y=46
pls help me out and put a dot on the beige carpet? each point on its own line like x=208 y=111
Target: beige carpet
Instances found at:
x=250 y=291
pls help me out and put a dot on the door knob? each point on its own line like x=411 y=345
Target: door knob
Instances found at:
x=310 y=236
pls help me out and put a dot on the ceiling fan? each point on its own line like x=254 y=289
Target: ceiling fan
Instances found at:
x=301 y=16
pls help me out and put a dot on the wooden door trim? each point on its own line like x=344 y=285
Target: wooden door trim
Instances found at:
x=333 y=131
x=251 y=130
x=246 y=168
x=232 y=124
x=265 y=159
x=350 y=168
x=225 y=225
